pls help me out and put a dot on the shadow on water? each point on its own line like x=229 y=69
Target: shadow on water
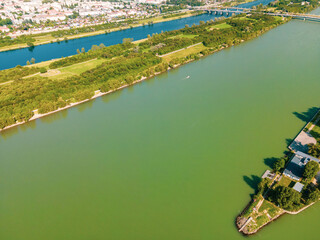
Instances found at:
x=83 y=106
x=252 y=181
x=31 y=48
x=306 y=116
x=55 y=116
x=270 y=161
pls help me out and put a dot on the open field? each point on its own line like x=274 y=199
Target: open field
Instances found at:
x=185 y=52
x=222 y=26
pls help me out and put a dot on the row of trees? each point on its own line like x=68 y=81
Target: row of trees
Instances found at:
x=7 y=41
x=295 y=6
x=95 y=52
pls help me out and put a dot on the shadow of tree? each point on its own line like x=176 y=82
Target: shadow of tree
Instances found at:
x=315 y=134
x=252 y=181
x=270 y=161
x=306 y=116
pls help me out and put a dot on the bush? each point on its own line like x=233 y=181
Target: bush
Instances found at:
x=43 y=70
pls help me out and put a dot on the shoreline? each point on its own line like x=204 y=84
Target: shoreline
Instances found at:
x=37 y=116
x=99 y=32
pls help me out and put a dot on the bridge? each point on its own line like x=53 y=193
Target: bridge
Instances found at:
x=236 y=10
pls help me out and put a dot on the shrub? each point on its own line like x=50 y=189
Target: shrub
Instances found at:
x=43 y=70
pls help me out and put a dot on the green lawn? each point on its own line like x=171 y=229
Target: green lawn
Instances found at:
x=82 y=67
x=285 y=181
x=185 y=52
x=270 y=207
x=222 y=26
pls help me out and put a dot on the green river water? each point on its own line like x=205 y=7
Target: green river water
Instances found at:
x=172 y=158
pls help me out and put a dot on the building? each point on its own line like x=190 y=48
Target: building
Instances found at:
x=4 y=29
x=298 y=187
x=295 y=167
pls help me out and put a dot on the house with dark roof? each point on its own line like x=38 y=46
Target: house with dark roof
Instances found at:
x=295 y=167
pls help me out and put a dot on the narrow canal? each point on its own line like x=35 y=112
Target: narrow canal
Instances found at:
x=46 y=52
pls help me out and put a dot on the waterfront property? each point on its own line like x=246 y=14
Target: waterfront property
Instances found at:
x=295 y=167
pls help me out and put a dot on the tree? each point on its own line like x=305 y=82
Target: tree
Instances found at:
x=314 y=150
x=83 y=50
x=32 y=61
x=28 y=63
x=127 y=40
x=43 y=70
x=310 y=170
x=279 y=164
x=78 y=51
x=30 y=44
x=286 y=198
x=310 y=194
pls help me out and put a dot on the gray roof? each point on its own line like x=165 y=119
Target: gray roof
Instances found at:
x=295 y=167
x=298 y=187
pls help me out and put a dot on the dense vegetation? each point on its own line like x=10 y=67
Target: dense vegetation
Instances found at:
x=95 y=52
x=7 y=41
x=24 y=95
x=16 y=73
x=121 y=64
x=295 y=6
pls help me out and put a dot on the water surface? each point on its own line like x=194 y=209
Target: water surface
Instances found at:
x=170 y=158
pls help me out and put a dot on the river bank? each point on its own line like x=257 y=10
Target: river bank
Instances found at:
x=170 y=59
x=158 y=19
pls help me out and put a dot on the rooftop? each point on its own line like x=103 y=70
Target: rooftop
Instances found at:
x=298 y=187
x=295 y=167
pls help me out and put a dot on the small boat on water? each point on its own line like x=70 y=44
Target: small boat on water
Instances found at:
x=187 y=77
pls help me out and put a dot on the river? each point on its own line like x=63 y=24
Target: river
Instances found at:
x=9 y=59
x=169 y=158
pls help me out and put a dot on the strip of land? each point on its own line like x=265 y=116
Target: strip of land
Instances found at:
x=35 y=90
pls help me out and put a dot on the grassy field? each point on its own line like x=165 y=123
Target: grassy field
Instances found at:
x=64 y=72
x=185 y=52
x=82 y=67
x=271 y=209
x=285 y=181
x=222 y=26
